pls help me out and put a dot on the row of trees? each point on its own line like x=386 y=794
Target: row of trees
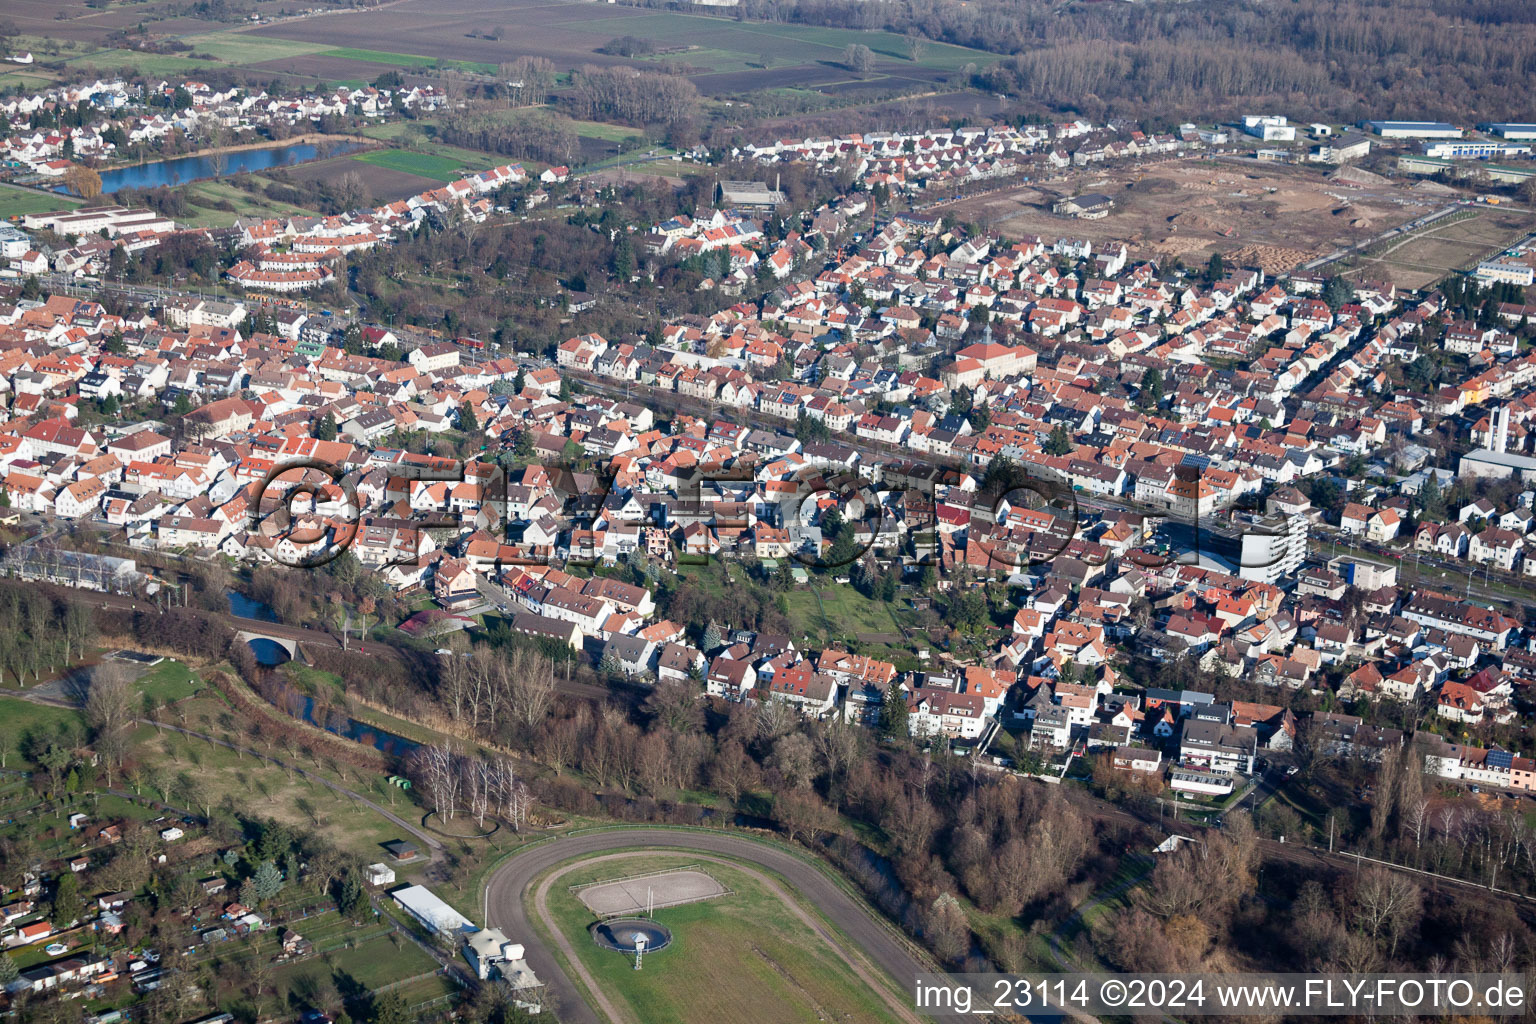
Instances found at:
x=39 y=634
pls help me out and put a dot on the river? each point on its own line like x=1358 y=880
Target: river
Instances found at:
x=249 y=607
x=301 y=705
x=181 y=170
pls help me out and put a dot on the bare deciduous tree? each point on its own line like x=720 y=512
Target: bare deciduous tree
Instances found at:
x=109 y=712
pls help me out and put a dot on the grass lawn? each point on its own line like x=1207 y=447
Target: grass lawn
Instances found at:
x=249 y=48
x=245 y=204
x=763 y=963
x=168 y=682
x=843 y=612
x=370 y=965
x=406 y=60
x=604 y=131
x=27 y=79
x=390 y=130
x=20 y=719
x=109 y=807
x=438 y=168
x=16 y=201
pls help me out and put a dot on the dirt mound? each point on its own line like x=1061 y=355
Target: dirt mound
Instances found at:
x=1361 y=222
x=1188 y=221
x=1434 y=188
x=1356 y=176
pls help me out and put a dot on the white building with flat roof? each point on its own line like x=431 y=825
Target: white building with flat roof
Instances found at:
x=1475 y=149
x=1510 y=131
x=435 y=915
x=1413 y=129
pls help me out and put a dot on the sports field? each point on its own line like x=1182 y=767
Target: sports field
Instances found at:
x=16 y=201
x=741 y=956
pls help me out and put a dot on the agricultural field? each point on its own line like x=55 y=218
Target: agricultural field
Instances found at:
x=248 y=47
x=764 y=960
x=726 y=56
x=142 y=63
x=384 y=184
x=423 y=165
x=721 y=45
x=407 y=60
x=77 y=20
x=1267 y=215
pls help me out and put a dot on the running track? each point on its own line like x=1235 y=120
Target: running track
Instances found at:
x=510 y=883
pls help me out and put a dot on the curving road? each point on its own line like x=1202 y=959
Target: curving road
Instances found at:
x=510 y=884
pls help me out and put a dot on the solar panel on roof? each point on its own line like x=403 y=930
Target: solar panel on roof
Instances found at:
x=1198 y=461
x=1500 y=759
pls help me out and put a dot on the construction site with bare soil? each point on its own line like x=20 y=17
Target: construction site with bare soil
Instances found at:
x=1274 y=216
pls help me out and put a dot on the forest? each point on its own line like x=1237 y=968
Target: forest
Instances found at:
x=1343 y=59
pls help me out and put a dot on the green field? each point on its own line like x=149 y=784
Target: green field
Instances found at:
x=249 y=48
x=739 y=46
x=604 y=131
x=245 y=204
x=168 y=682
x=16 y=201
x=21 y=721
x=26 y=79
x=742 y=956
x=406 y=60
x=143 y=63
x=439 y=168
x=371 y=964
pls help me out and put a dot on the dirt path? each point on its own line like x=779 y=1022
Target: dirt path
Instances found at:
x=855 y=964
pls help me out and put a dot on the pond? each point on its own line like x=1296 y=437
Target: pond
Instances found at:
x=181 y=170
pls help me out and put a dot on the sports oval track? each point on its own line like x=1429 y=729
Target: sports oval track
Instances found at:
x=509 y=884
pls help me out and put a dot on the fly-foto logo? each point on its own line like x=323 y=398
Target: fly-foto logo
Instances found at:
x=309 y=511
